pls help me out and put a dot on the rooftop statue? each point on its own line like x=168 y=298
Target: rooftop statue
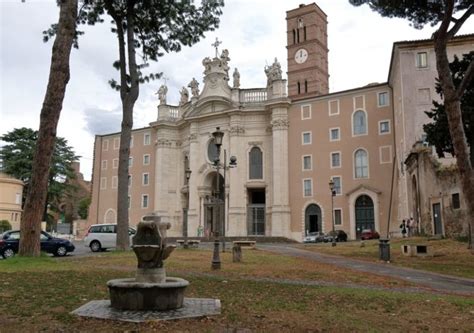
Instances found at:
x=194 y=85
x=162 y=94
x=273 y=72
x=184 y=96
x=236 y=76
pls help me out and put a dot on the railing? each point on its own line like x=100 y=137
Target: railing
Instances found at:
x=169 y=113
x=253 y=95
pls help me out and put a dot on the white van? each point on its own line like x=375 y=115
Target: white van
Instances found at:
x=100 y=237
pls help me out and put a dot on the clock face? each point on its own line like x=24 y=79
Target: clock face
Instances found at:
x=301 y=56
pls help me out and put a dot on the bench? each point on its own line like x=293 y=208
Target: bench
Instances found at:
x=191 y=242
x=416 y=250
x=245 y=243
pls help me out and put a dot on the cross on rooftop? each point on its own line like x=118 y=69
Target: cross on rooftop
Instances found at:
x=216 y=45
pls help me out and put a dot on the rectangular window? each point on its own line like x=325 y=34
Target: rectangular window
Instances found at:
x=18 y=198
x=146 y=179
x=333 y=107
x=129 y=202
x=307 y=188
x=421 y=60
x=115 y=163
x=146 y=159
x=337 y=217
x=384 y=127
x=114 y=182
x=456 y=201
x=146 y=139
x=382 y=99
x=103 y=183
x=336 y=160
x=131 y=141
x=145 y=201
x=130 y=161
x=307 y=163
x=105 y=145
x=104 y=165
x=305 y=112
x=129 y=180
x=306 y=137
x=334 y=134
x=337 y=184
x=116 y=143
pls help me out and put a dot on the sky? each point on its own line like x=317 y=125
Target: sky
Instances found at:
x=253 y=31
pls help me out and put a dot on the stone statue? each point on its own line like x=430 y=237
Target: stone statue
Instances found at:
x=194 y=85
x=206 y=62
x=162 y=94
x=224 y=62
x=236 y=78
x=184 y=96
x=273 y=72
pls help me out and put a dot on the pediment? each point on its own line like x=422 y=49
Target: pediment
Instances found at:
x=210 y=106
x=363 y=187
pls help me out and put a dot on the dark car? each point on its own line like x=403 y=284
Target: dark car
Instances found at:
x=369 y=234
x=10 y=240
x=340 y=235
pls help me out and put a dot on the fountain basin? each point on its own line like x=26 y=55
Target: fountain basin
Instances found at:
x=128 y=294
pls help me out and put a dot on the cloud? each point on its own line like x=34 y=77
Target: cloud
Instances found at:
x=100 y=121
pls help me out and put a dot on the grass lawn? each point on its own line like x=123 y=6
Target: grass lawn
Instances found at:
x=449 y=256
x=38 y=294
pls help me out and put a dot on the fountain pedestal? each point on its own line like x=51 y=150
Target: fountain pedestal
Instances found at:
x=151 y=289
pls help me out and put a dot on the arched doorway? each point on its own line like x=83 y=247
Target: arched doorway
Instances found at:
x=312 y=218
x=364 y=214
x=214 y=208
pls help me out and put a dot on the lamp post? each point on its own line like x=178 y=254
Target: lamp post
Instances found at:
x=333 y=193
x=216 y=260
x=232 y=164
x=186 y=210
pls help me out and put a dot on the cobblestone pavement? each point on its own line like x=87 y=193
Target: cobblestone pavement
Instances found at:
x=438 y=282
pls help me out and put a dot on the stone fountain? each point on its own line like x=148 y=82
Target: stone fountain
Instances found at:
x=151 y=289
x=150 y=295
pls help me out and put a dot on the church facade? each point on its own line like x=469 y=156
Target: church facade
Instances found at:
x=282 y=145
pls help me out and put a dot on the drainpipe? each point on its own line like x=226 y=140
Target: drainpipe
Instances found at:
x=418 y=195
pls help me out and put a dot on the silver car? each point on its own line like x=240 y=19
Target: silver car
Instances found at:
x=101 y=237
x=314 y=237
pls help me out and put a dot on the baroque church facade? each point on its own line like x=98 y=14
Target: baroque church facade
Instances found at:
x=288 y=139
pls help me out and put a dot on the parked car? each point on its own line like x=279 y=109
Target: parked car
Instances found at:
x=369 y=234
x=101 y=237
x=340 y=235
x=314 y=237
x=10 y=241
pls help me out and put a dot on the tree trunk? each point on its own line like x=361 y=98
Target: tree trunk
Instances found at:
x=49 y=117
x=129 y=95
x=452 y=106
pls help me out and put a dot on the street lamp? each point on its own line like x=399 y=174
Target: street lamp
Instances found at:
x=187 y=172
x=217 y=135
x=232 y=164
x=333 y=193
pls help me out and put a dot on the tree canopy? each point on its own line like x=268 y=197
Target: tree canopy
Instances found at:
x=438 y=131
x=17 y=156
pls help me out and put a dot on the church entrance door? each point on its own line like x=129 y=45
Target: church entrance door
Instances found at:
x=364 y=214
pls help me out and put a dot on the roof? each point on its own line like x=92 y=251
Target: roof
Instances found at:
x=420 y=42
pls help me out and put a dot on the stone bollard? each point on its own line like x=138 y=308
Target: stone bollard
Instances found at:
x=236 y=253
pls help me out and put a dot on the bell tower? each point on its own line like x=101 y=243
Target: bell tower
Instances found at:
x=307 y=52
